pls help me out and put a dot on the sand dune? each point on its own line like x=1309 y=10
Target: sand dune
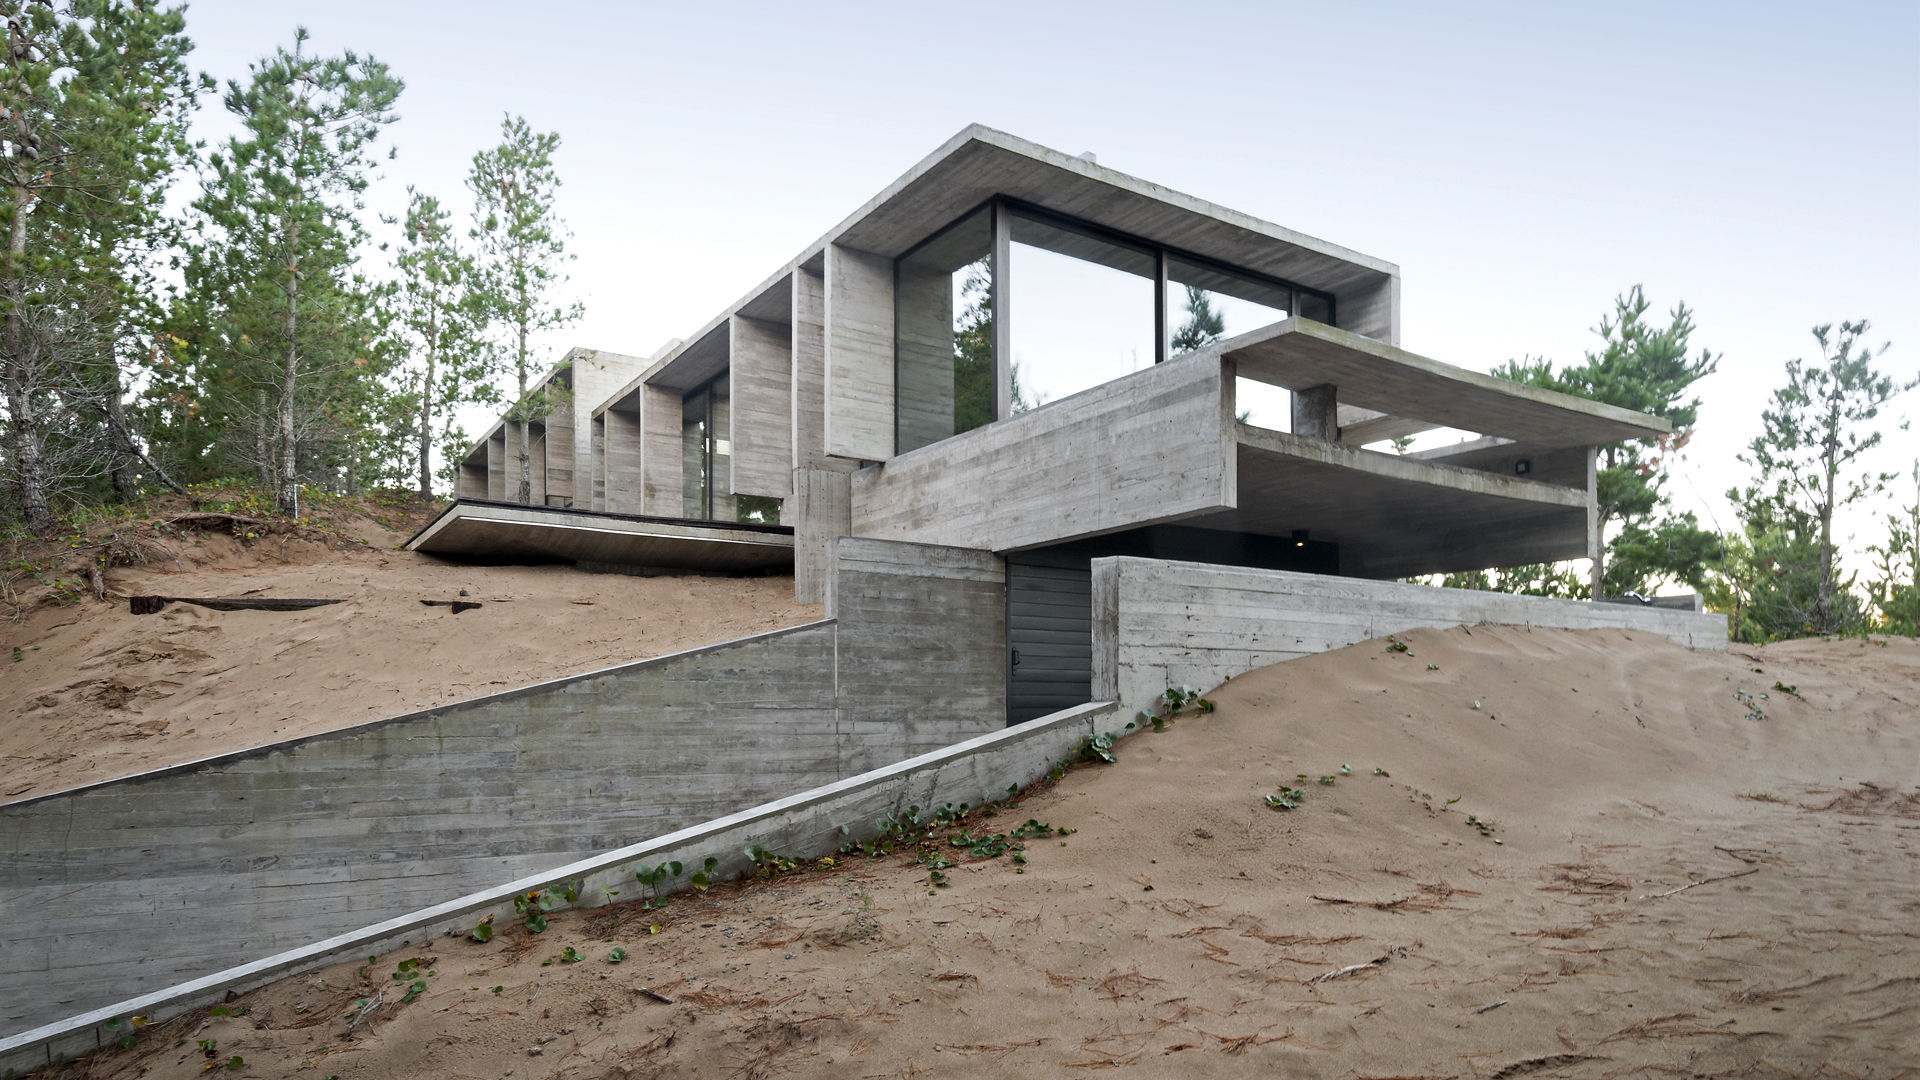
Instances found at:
x=1585 y=855
x=98 y=693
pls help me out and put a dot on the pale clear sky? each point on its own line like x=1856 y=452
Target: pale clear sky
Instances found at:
x=1522 y=163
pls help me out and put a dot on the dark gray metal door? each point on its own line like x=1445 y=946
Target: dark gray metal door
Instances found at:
x=1049 y=633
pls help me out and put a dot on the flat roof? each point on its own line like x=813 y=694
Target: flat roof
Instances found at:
x=1300 y=353
x=979 y=163
x=502 y=531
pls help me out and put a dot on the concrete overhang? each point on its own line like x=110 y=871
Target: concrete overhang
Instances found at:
x=514 y=532
x=1299 y=354
x=980 y=163
x=1393 y=516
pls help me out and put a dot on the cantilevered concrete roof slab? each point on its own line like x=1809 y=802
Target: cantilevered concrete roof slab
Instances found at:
x=1300 y=353
x=510 y=532
x=1393 y=516
x=980 y=163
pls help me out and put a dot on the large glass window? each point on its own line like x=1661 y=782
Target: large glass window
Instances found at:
x=1071 y=306
x=1080 y=308
x=1205 y=304
x=706 y=457
x=943 y=321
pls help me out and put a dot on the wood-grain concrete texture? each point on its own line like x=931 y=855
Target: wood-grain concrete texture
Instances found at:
x=859 y=387
x=563 y=444
x=1300 y=354
x=1161 y=445
x=139 y=883
x=534 y=534
x=1149 y=447
x=1393 y=515
x=1158 y=624
x=760 y=429
x=802 y=825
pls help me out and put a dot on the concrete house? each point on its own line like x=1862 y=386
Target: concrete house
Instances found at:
x=1022 y=352
x=1045 y=440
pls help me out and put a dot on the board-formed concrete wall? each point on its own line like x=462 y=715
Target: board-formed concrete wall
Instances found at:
x=803 y=825
x=143 y=882
x=1158 y=624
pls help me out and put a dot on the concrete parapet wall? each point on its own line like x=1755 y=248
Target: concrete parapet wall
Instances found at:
x=142 y=882
x=807 y=824
x=1158 y=624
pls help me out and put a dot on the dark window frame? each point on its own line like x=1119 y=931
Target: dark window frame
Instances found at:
x=1000 y=210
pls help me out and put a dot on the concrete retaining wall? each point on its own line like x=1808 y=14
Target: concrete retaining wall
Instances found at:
x=140 y=883
x=975 y=771
x=1158 y=624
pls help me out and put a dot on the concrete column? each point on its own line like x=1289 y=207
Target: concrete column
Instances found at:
x=760 y=431
x=821 y=509
x=660 y=471
x=1596 y=543
x=623 y=479
x=1316 y=412
x=925 y=367
x=859 y=384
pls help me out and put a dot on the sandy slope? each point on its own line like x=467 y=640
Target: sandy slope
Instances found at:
x=1683 y=889
x=98 y=693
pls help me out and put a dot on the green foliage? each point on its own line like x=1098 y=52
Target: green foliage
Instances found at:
x=654 y=879
x=1203 y=326
x=532 y=907
x=438 y=317
x=483 y=931
x=1815 y=430
x=520 y=255
x=1098 y=747
x=279 y=339
x=1646 y=368
x=766 y=864
x=1896 y=569
x=1289 y=798
x=96 y=96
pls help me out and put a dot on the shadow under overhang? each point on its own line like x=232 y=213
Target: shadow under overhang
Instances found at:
x=1395 y=516
x=484 y=530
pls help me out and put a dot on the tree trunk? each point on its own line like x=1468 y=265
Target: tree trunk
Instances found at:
x=1829 y=479
x=121 y=453
x=262 y=443
x=30 y=469
x=526 y=452
x=123 y=434
x=426 y=414
x=287 y=499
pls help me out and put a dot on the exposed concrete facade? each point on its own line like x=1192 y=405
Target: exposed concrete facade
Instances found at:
x=561 y=441
x=1158 y=624
x=803 y=824
x=263 y=850
x=845 y=358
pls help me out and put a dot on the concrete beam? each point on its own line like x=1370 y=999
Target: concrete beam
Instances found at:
x=859 y=354
x=1298 y=353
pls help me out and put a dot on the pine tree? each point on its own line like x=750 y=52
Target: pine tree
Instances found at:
x=522 y=249
x=1647 y=369
x=1204 y=325
x=1896 y=582
x=93 y=101
x=290 y=345
x=1816 y=429
x=438 y=318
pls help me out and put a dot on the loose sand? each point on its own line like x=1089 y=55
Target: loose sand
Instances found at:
x=98 y=693
x=1688 y=883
